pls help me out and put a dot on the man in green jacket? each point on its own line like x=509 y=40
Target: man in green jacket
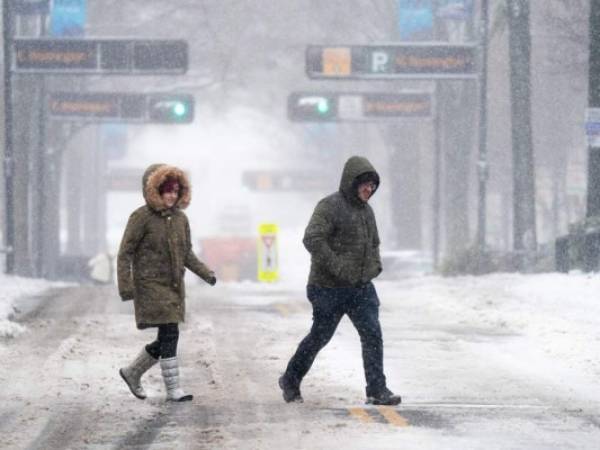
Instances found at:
x=343 y=242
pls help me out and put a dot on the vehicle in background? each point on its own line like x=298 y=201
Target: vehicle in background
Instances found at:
x=399 y=264
x=232 y=252
x=233 y=258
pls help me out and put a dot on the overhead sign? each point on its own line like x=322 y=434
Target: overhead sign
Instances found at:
x=100 y=56
x=284 y=180
x=268 y=260
x=68 y=18
x=357 y=106
x=121 y=107
x=415 y=60
x=30 y=6
x=415 y=20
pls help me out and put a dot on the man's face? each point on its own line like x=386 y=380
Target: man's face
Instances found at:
x=365 y=190
x=170 y=197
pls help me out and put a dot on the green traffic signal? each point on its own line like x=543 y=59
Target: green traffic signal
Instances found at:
x=171 y=108
x=180 y=109
x=323 y=106
x=312 y=107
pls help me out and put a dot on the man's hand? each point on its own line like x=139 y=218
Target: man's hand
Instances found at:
x=126 y=295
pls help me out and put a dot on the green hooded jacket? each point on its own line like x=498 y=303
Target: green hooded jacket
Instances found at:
x=342 y=235
x=155 y=250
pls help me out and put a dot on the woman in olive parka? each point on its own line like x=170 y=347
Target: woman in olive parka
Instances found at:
x=155 y=251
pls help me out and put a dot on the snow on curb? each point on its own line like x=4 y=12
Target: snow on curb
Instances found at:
x=11 y=290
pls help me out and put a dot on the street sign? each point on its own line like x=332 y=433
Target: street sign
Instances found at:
x=77 y=106
x=99 y=56
x=415 y=20
x=284 y=180
x=30 y=6
x=392 y=61
x=68 y=18
x=121 y=107
x=268 y=260
x=357 y=106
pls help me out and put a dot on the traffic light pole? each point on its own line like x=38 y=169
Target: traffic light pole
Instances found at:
x=524 y=220
x=482 y=163
x=437 y=175
x=9 y=238
x=42 y=169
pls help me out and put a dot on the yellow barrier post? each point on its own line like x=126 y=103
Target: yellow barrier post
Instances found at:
x=268 y=260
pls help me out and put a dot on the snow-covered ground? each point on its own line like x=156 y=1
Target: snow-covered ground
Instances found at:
x=12 y=289
x=496 y=362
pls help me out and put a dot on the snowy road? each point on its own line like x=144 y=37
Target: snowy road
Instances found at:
x=495 y=362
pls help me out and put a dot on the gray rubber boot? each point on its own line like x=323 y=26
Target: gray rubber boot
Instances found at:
x=132 y=374
x=170 y=373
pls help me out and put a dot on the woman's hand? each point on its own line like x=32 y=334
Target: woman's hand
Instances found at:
x=212 y=279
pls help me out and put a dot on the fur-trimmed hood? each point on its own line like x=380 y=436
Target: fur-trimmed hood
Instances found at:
x=156 y=175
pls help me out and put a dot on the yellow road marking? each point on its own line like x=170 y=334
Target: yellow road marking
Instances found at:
x=361 y=414
x=392 y=416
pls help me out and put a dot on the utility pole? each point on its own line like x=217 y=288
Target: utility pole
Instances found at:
x=524 y=222
x=593 y=179
x=39 y=205
x=9 y=237
x=437 y=174
x=482 y=163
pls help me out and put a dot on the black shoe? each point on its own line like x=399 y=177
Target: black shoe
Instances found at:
x=291 y=393
x=383 y=397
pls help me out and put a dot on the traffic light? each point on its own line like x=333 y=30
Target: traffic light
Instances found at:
x=312 y=107
x=176 y=108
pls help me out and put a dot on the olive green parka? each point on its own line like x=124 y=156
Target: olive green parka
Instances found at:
x=342 y=235
x=155 y=251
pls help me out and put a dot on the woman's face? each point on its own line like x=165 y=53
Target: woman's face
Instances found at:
x=170 y=197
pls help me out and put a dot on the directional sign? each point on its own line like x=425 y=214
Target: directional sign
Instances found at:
x=357 y=106
x=121 y=107
x=386 y=61
x=100 y=56
x=415 y=20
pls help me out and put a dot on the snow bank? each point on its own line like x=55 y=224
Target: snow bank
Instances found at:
x=557 y=314
x=11 y=290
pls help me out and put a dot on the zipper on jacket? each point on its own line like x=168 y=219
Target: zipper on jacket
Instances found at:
x=171 y=250
x=366 y=235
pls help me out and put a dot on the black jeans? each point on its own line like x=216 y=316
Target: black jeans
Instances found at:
x=329 y=306
x=165 y=345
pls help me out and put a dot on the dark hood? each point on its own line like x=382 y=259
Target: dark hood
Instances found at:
x=355 y=167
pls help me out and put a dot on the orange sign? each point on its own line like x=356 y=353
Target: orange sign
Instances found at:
x=337 y=61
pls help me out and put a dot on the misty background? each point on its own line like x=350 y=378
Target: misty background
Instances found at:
x=244 y=60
